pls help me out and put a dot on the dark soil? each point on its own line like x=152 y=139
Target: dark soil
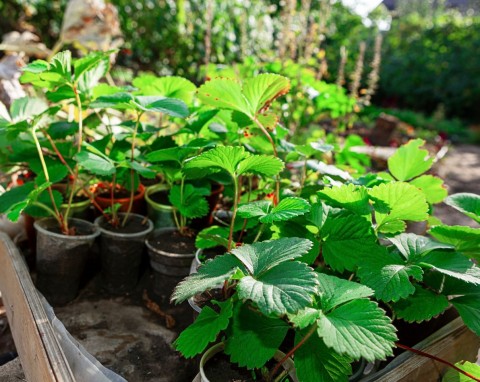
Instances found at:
x=174 y=242
x=55 y=228
x=119 y=194
x=160 y=197
x=219 y=369
x=134 y=224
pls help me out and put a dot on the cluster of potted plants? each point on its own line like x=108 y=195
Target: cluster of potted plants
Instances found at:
x=311 y=264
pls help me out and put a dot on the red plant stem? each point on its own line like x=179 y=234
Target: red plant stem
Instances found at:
x=423 y=354
x=275 y=154
x=292 y=351
x=59 y=154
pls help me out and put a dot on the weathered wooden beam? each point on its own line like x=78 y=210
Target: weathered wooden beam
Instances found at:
x=453 y=343
x=41 y=356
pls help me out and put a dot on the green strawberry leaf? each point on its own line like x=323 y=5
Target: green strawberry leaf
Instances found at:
x=255 y=97
x=286 y=288
x=192 y=204
x=334 y=291
x=432 y=187
x=169 y=86
x=346 y=240
x=413 y=246
x=169 y=106
x=304 y=318
x=194 y=339
x=61 y=63
x=94 y=163
x=254 y=338
x=141 y=169
x=266 y=165
x=465 y=239
x=44 y=198
x=469 y=309
x=262 y=257
x=409 y=161
x=213 y=273
x=90 y=61
x=349 y=196
x=262 y=90
x=199 y=120
x=467 y=203
x=389 y=276
x=358 y=329
x=27 y=107
x=454 y=376
x=423 y=305
x=397 y=201
x=259 y=208
x=452 y=264
x=224 y=93
x=287 y=209
x=56 y=172
x=120 y=101
x=316 y=362
x=223 y=157
x=211 y=237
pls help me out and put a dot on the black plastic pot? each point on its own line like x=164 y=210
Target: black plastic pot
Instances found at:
x=121 y=252
x=169 y=268
x=61 y=258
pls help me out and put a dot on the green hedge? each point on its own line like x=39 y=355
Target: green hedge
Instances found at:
x=426 y=65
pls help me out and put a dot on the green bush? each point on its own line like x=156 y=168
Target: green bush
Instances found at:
x=428 y=64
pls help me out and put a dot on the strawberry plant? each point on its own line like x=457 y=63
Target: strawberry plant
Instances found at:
x=111 y=155
x=339 y=270
x=65 y=81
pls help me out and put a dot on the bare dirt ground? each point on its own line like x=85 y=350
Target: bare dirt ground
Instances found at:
x=461 y=171
x=136 y=343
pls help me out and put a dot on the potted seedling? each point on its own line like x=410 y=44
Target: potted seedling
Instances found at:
x=62 y=243
x=269 y=292
x=116 y=158
x=171 y=249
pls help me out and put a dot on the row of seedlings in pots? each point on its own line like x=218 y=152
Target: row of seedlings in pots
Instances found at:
x=84 y=138
x=317 y=261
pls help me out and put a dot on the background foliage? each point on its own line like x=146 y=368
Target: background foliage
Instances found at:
x=430 y=60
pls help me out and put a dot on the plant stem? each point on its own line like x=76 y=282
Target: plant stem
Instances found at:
x=234 y=212
x=304 y=176
x=56 y=213
x=182 y=222
x=249 y=195
x=275 y=154
x=293 y=350
x=112 y=198
x=423 y=354
x=259 y=233
x=132 y=177
x=58 y=153
x=50 y=211
x=79 y=148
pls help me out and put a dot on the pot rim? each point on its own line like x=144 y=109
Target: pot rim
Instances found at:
x=38 y=226
x=217 y=348
x=139 y=194
x=154 y=249
x=151 y=190
x=133 y=235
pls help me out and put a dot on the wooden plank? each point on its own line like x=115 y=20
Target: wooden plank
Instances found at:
x=453 y=343
x=41 y=356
